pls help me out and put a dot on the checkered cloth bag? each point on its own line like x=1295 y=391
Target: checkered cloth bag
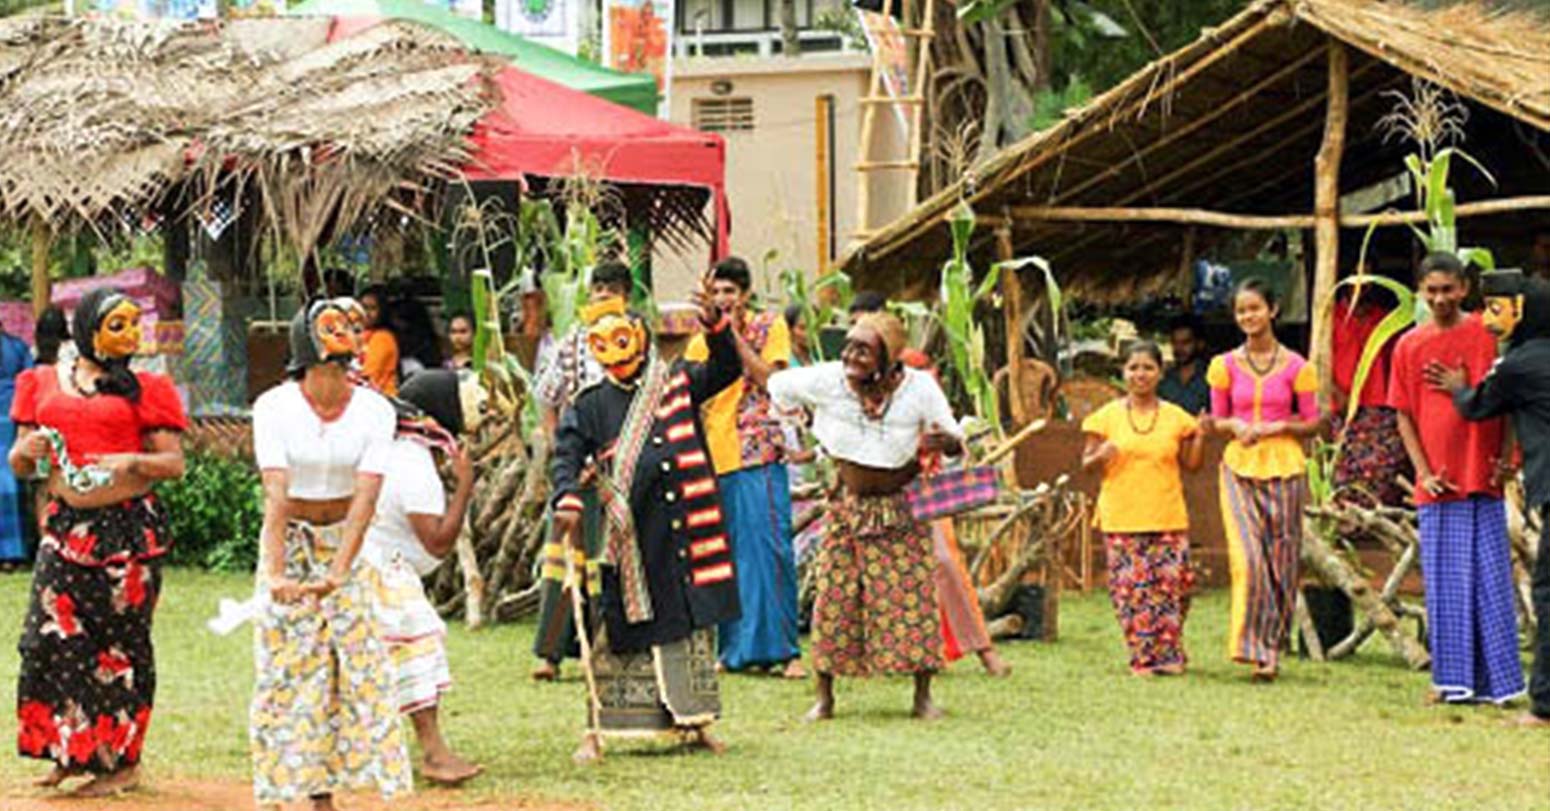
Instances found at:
x=951 y=492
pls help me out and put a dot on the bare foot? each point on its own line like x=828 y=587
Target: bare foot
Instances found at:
x=794 y=670
x=107 y=785
x=1264 y=674
x=927 y=711
x=546 y=671
x=1170 y=670
x=590 y=752
x=449 y=771
x=1433 y=699
x=994 y=665
x=702 y=739
x=1529 y=720
x=822 y=711
x=324 y=802
x=1143 y=674
x=58 y=775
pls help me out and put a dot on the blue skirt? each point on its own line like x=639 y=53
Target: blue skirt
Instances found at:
x=757 y=505
x=1467 y=568
x=12 y=546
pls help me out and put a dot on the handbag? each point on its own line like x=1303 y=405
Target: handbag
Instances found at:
x=951 y=492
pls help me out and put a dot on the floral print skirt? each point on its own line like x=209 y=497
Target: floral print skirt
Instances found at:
x=88 y=672
x=1149 y=584
x=324 y=716
x=876 y=608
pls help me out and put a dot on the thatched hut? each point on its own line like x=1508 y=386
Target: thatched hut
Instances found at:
x=107 y=123
x=1269 y=121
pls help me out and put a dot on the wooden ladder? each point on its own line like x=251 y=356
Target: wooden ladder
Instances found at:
x=878 y=98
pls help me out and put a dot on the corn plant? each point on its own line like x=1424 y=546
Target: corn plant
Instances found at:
x=956 y=300
x=821 y=304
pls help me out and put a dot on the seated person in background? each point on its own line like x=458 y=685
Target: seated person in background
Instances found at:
x=1184 y=384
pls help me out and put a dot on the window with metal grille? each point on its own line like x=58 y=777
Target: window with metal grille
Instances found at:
x=723 y=115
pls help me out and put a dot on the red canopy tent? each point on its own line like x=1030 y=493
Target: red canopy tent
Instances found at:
x=547 y=130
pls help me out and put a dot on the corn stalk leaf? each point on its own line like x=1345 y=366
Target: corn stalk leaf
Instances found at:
x=1394 y=322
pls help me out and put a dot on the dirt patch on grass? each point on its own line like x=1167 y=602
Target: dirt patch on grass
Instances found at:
x=172 y=794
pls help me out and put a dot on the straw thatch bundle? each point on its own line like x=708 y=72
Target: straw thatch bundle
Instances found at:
x=99 y=119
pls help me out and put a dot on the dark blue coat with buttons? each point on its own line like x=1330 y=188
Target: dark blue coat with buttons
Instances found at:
x=684 y=546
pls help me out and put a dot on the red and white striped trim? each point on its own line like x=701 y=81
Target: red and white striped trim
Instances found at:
x=690 y=459
x=699 y=487
x=710 y=546
x=670 y=409
x=706 y=517
x=712 y=574
x=569 y=502
x=678 y=381
x=680 y=432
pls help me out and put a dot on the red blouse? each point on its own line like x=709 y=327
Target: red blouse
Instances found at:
x=100 y=424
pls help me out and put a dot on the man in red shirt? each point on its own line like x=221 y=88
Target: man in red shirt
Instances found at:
x=1465 y=558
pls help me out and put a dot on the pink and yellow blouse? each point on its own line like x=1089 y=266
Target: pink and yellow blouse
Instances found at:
x=1237 y=391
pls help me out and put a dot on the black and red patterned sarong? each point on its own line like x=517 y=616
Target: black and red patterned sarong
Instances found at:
x=88 y=673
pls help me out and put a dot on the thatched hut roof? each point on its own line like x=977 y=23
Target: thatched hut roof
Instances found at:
x=100 y=118
x=1230 y=123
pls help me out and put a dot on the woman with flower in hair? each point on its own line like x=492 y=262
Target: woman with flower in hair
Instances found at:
x=102 y=435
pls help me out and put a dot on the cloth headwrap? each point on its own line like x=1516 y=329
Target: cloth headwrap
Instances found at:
x=891 y=330
x=94 y=307
x=435 y=393
x=306 y=347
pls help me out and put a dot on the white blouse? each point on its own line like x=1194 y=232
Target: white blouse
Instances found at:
x=844 y=430
x=412 y=487
x=320 y=457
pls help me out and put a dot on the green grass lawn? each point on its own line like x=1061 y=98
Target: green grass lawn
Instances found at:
x=1070 y=730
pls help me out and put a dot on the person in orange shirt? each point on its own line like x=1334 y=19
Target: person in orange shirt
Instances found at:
x=380 y=361
x=1140 y=442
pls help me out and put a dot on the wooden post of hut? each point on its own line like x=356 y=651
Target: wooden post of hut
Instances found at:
x=41 y=287
x=1326 y=214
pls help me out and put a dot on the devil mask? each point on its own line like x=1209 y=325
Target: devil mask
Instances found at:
x=616 y=337
x=357 y=316
x=320 y=333
x=107 y=332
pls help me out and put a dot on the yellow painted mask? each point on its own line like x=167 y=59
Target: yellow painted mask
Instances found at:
x=616 y=338
x=1502 y=314
x=118 y=334
x=334 y=336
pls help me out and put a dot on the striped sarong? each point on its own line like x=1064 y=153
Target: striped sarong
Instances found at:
x=415 y=635
x=1467 y=568
x=1263 y=519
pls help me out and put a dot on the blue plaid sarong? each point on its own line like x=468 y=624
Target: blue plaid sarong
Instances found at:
x=1467 y=568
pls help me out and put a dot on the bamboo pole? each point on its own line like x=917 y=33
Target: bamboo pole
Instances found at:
x=1224 y=219
x=1012 y=313
x=868 y=130
x=1326 y=209
x=821 y=107
x=41 y=238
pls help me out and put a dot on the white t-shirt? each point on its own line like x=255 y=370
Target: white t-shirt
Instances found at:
x=320 y=457
x=412 y=487
x=844 y=430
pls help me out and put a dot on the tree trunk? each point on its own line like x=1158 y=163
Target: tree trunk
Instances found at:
x=790 y=42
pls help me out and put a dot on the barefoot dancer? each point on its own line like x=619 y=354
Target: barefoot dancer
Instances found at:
x=1140 y=442
x=568 y=370
x=1264 y=396
x=88 y=672
x=876 y=611
x=414 y=529
x=323 y=717
x=668 y=576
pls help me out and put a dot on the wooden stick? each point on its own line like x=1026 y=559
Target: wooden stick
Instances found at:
x=40 y=279
x=1012 y=292
x=1326 y=211
x=577 y=587
x=1016 y=439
